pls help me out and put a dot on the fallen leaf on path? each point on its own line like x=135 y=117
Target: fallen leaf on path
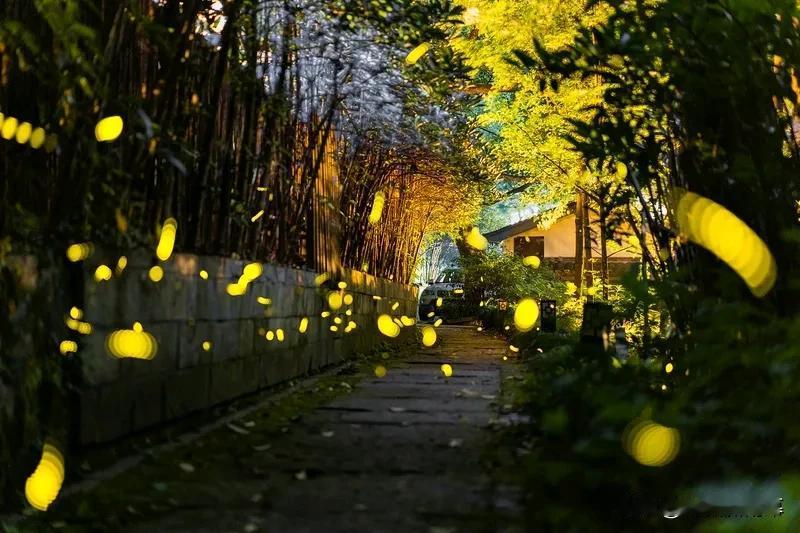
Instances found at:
x=397 y=409
x=455 y=443
x=488 y=396
x=249 y=424
x=237 y=429
x=327 y=434
x=301 y=476
x=468 y=393
x=262 y=447
x=186 y=467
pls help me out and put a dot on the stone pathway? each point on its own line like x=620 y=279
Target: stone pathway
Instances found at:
x=399 y=453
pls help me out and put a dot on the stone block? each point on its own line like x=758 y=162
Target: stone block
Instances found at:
x=106 y=412
x=233 y=378
x=187 y=391
x=192 y=335
x=148 y=402
x=97 y=365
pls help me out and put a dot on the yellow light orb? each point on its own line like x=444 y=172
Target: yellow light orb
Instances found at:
x=43 y=485
x=437 y=323
x=532 y=261
x=102 y=273
x=526 y=314
x=78 y=252
x=475 y=240
x=155 y=274
x=380 y=371
x=417 y=53
x=439 y=302
x=335 y=301
x=303 y=327
x=377 y=208
x=236 y=289
x=24 y=132
x=122 y=262
x=37 y=139
x=428 y=336
x=337 y=320
x=387 y=326
x=279 y=335
x=133 y=343
x=75 y=313
x=263 y=300
x=348 y=299
x=407 y=321
x=108 y=129
x=513 y=348
x=203 y=274
x=206 y=345
x=447 y=370
x=669 y=368
x=651 y=444
x=166 y=241
x=9 y=128
x=251 y=271
x=66 y=347
x=270 y=335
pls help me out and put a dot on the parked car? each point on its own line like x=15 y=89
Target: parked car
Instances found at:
x=442 y=287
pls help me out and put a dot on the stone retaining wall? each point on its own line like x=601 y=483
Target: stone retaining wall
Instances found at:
x=182 y=311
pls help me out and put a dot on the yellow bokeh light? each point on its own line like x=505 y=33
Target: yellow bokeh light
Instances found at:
x=9 y=128
x=669 y=368
x=155 y=274
x=250 y=272
x=84 y=328
x=715 y=228
x=206 y=345
x=407 y=321
x=325 y=314
x=387 y=326
x=342 y=285
x=257 y=216
x=475 y=240
x=395 y=306
x=132 y=343
x=417 y=53
x=447 y=370
x=270 y=335
x=532 y=261
x=263 y=300
x=458 y=291
x=428 y=336
x=337 y=320
x=43 y=485
x=526 y=314
x=348 y=312
x=75 y=313
x=122 y=262
x=380 y=371
x=303 y=327
x=79 y=252
x=108 y=129
x=437 y=323
x=334 y=329
x=335 y=301
x=513 y=348
x=203 y=274
x=439 y=302
x=348 y=299
x=322 y=278
x=377 y=208
x=24 y=132
x=236 y=289
x=66 y=347
x=102 y=273
x=166 y=240
x=38 y=137
x=279 y=335
x=651 y=444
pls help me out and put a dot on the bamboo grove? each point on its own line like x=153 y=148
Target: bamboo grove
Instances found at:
x=234 y=112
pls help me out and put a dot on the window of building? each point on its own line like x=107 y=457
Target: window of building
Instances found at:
x=528 y=246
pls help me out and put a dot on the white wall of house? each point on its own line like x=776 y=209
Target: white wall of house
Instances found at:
x=559 y=240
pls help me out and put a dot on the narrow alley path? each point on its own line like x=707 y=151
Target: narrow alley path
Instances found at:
x=398 y=453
